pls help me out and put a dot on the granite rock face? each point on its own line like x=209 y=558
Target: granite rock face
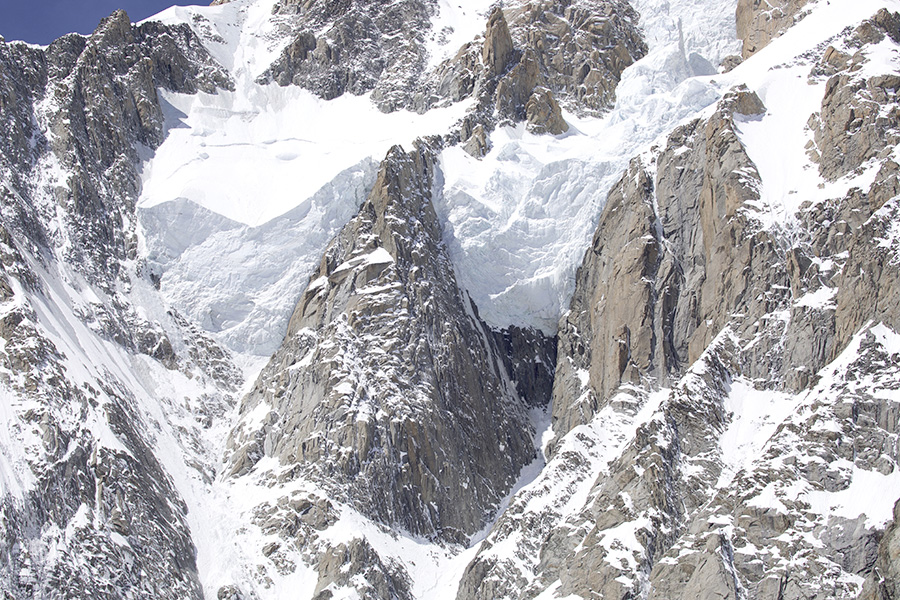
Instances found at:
x=534 y=59
x=760 y=21
x=858 y=120
x=497 y=50
x=387 y=383
x=543 y=114
x=686 y=304
x=93 y=511
x=653 y=289
x=581 y=48
x=97 y=98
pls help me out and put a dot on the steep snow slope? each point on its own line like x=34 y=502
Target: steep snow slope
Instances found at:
x=238 y=204
x=516 y=222
x=284 y=168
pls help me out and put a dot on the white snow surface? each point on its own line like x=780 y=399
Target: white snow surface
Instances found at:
x=16 y=478
x=755 y=415
x=868 y=495
x=256 y=153
x=242 y=197
x=240 y=282
x=457 y=22
x=516 y=222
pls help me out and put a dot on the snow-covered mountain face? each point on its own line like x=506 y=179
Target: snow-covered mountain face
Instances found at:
x=428 y=299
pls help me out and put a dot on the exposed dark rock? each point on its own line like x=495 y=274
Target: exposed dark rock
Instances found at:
x=665 y=262
x=359 y=47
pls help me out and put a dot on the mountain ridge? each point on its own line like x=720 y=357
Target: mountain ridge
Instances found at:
x=718 y=416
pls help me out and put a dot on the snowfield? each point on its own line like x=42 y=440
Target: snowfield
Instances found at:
x=273 y=173
x=249 y=187
x=517 y=221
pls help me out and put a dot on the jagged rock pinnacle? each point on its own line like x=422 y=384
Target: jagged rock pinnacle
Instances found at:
x=498 y=45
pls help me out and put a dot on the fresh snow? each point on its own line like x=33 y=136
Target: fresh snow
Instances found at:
x=16 y=478
x=249 y=186
x=780 y=79
x=457 y=22
x=754 y=416
x=254 y=154
x=243 y=35
x=822 y=298
x=239 y=282
x=515 y=222
x=865 y=494
x=870 y=494
x=518 y=220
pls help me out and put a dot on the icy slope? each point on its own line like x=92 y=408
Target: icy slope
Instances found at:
x=731 y=456
x=516 y=222
x=284 y=168
x=256 y=153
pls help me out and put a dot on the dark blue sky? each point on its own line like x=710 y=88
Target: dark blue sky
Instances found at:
x=42 y=21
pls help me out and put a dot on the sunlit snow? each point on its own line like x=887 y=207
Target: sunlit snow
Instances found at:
x=249 y=187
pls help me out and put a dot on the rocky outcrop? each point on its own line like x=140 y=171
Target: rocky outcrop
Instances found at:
x=520 y=72
x=760 y=21
x=868 y=283
x=658 y=274
x=391 y=420
x=684 y=305
x=388 y=389
x=86 y=106
x=497 y=50
x=860 y=118
x=96 y=514
x=104 y=90
x=884 y=581
x=761 y=517
x=355 y=47
x=581 y=49
x=543 y=115
x=357 y=563
x=95 y=486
